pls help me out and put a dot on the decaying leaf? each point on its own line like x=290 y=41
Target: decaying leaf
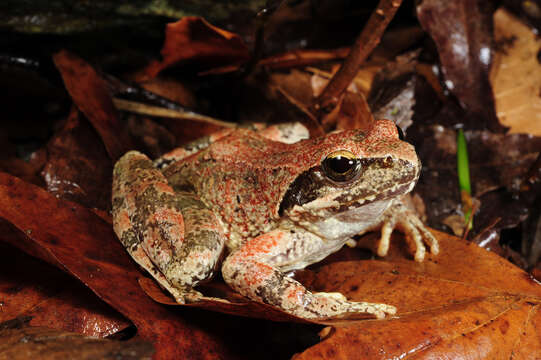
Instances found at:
x=462 y=31
x=468 y=303
x=20 y=341
x=51 y=298
x=78 y=167
x=516 y=74
x=91 y=96
x=85 y=246
x=192 y=39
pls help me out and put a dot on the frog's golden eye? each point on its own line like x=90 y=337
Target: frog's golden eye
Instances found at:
x=341 y=166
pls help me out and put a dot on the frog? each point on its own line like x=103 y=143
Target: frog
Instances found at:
x=260 y=204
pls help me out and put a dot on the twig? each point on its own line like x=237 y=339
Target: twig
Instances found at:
x=367 y=40
x=262 y=19
x=157 y=111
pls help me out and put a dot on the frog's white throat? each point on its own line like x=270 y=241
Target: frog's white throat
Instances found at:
x=340 y=225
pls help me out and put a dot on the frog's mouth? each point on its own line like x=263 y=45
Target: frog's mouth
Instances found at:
x=315 y=193
x=332 y=219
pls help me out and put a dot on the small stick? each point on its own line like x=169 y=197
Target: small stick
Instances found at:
x=367 y=40
x=144 y=109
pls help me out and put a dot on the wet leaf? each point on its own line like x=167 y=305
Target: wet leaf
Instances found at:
x=393 y=89
x=497 y=162
x=51 y=298
x=85 y=246
x=225 y=300
x=195 y=41
x=518 y=103
x=91 y=95
x=296 y=89
x=78 y=167
x=465 y=303
x=19 y=341
x=462 y=31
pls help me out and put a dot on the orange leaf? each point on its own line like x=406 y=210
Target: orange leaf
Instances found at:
x=194 y=40
x=29 y=287
x=84 y=245
x=465 y=303
x=91 y=95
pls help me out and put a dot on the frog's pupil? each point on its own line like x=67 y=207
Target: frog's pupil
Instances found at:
x=341 y=165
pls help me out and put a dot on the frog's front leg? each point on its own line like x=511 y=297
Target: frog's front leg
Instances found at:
x=401 y=217
x=173 y=235
x=254 y=270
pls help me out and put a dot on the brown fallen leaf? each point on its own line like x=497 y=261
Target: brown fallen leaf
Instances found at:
x=20 y=341
x=516 y=74
x=226 y=301
x=460 y=281
x=462 y=31
x=78 y=167
x=31 y=288
x=194 y=40
x=91 y=95
x=84 y=245
x=466 y=303
x=298 y=88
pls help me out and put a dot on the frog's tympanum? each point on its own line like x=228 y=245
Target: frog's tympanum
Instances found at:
x=259 y=208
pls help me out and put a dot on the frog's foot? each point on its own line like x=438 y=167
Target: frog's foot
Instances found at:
x=398 y=216
x=172 y=235
x=254 y=271
x=338 y=304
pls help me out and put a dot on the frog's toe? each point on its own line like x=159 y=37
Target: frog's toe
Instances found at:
x=419 y=235
x=336 y=305
x=187 y=296
x=385 y=240
x=429 y=239
x=415 y=238
x=380 y=311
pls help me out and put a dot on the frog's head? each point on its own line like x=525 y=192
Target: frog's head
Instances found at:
x=349 y=180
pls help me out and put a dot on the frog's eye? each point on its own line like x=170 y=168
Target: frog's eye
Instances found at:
x=341 y=166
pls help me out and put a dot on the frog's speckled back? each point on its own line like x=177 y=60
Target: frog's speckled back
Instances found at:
x=243 y=177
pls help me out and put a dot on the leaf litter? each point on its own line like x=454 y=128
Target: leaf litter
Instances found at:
x=466 y=302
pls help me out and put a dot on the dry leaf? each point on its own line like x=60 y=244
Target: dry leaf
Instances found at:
x=31 y=288
x=78 y=167
x=462 y=32
x=194 y=40
x=91 y=95
x=516 y=74
x=19 y=341
x=466 y=303
x=78 y=241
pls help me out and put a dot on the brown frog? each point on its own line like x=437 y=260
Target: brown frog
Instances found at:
x=270 y=207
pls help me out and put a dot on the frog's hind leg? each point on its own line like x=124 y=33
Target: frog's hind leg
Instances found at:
x=172 y=235
x=254 y=270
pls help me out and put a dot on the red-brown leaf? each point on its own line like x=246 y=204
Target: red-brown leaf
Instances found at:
x=91 y=95
x=462 y=31
x=78 y=167
x=193 y=40
x=85 y=246
x=19 y=341
x=466 y=303
x=29 y=287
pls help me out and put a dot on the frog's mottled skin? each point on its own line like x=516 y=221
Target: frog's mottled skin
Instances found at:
x=271 y=205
